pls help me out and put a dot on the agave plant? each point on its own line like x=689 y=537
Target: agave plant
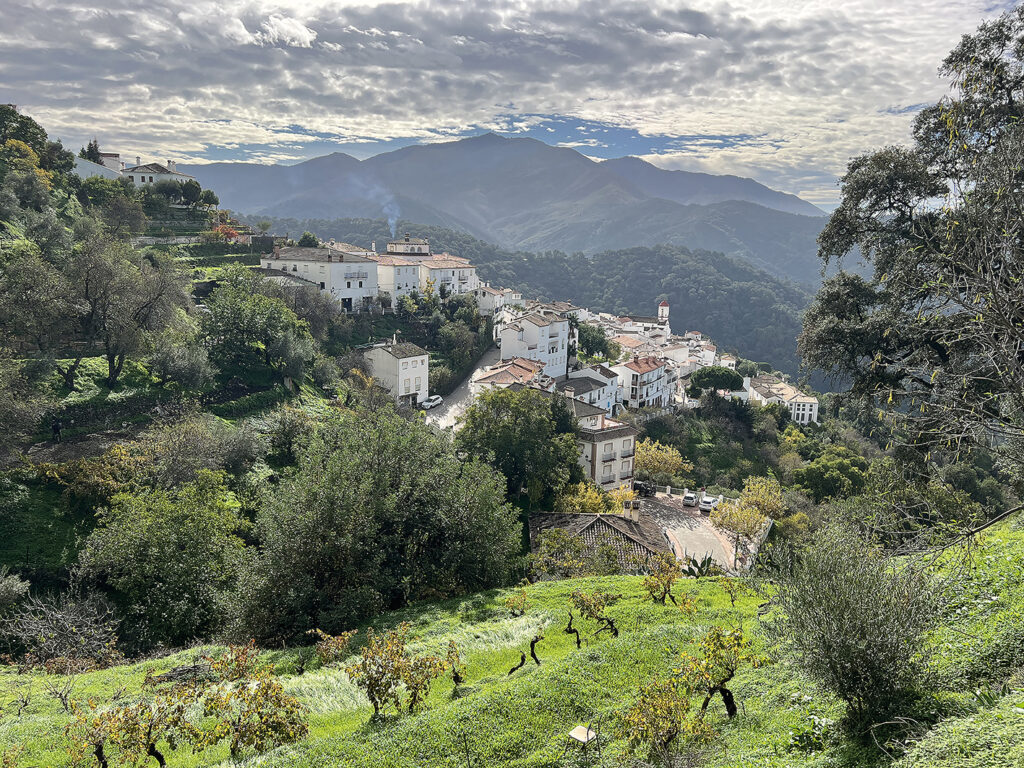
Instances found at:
x=696 y=569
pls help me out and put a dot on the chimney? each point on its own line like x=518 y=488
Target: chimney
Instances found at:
x=138 y=159
x=277 y=251
x=407 y=237
x=373 y=246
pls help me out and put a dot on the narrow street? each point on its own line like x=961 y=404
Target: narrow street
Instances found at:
x=447 y=414
x=690 y=532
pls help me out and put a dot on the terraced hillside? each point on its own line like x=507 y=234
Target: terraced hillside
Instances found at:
x=521 y=719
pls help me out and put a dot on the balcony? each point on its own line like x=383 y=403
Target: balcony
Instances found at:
x=609 y=480
x=608 y=457
x=626 y=476
x=356 y=275
x=629 y=453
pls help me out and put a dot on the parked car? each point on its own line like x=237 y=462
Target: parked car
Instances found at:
x=708 y=503
x=431 y=402
x=644 y=489
x=690 y=499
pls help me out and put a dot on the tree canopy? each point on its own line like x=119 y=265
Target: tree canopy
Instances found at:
x=380 y=511
x=715 y=377
x=934 y=334
x=516 y=432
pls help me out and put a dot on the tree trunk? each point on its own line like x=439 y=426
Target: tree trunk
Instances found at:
x=68 y=373
x=729 y=700
x=155 y=754
x=115 y=363
x=522 y=662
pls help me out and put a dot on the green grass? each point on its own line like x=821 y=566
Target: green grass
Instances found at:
x=990 y=738
x=38 y=534
x=518 y=720
x=521 y=720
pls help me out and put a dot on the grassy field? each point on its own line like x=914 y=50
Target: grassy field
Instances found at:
x=522 y=719
x=517 y=720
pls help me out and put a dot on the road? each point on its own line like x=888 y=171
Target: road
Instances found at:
x=455 y=404
x=690 y=532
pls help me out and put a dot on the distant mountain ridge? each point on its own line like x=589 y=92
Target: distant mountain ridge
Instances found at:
x=526 y=195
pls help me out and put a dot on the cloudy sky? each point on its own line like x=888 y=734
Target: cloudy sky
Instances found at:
x=784 y=91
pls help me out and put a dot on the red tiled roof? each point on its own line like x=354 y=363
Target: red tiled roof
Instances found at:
x=645 y=364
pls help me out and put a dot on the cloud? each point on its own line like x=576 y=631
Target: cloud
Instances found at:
x=799 y=87
x=287 y=31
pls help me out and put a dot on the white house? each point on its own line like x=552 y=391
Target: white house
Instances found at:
x=727 y=361
x=765 y=389
x=402 y=368
x=488 y=300
x=596 y=384
x=409 y=246
x=543 y=336
x=348 y=277
x=396 y=276
x=150 y=173
x=86 y=168
x=454 y=274
x=644 y=383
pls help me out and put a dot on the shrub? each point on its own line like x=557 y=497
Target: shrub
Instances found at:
x=665 y=571
x=331 y=648
x=856 y=620
x=12 y=589
x=74 y=632
x=385 y=666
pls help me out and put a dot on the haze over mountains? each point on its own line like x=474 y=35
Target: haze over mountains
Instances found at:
x=526 y=195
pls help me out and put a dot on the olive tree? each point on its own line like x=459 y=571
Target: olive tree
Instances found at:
x=856 y=620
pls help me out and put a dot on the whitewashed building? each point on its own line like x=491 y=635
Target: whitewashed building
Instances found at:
x=607 y=447
x=765 y=389
x=644 y=383
x=403 y=369
x=349 y=278
x=396 y=276
x=151 y=173
x=543 y=336
x=518 y=370
x=455 y=275
x=596 y=384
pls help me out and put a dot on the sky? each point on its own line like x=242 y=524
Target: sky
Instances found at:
x=783 y=91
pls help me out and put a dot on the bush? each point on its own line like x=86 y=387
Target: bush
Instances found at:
x=379 y=511
x=70 y=631
x=856 y=620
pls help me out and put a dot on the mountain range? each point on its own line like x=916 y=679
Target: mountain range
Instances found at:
x=523 y=194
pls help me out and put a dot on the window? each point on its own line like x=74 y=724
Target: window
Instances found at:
x=405 y=364
x=417 y=382
x=322 y=286
x=348 y=283
x=131 y=178
x=360 y=283
x=625 y=445
x=406 y=386
x=415 y=363
x=151 y=178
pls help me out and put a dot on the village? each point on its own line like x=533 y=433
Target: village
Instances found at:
x=537 y=346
